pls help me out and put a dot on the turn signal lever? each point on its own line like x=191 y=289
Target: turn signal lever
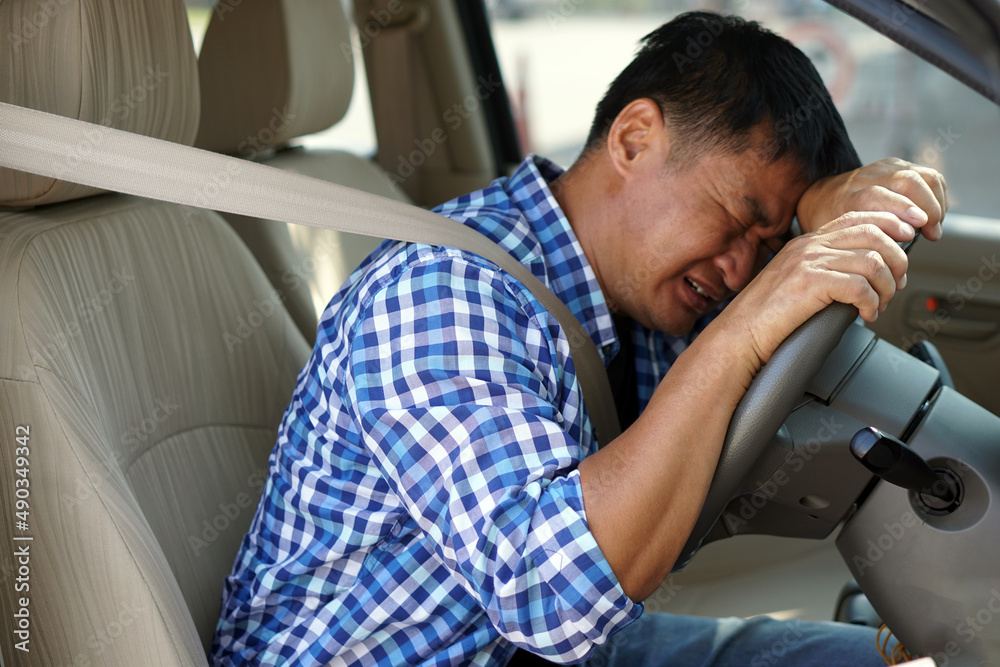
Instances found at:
x=938 y=490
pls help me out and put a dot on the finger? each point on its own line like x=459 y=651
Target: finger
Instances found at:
x=933 y=232
x=905 y=214
x=870 y=265
x=871 y=237
x=935 y=181
x=868 y=236
x=922 y=194
x=855 y=290
x=888 y=221
x=912 y=184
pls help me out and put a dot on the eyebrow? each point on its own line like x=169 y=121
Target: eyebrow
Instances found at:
x=757 y=214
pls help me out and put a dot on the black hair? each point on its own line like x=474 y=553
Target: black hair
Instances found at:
x=716 y=78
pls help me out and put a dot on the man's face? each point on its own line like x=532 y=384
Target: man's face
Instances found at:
x=693 y=235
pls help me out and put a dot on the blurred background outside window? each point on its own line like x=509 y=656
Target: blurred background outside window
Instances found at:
x=559 y=56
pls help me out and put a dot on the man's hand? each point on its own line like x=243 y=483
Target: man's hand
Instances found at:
x=851 y=259
x=644 y=490
x=915 y=195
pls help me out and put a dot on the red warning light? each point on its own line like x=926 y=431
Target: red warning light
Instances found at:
x=931 y=304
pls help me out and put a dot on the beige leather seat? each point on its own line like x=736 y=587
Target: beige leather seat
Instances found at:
x=272 y=71
x=146 y=410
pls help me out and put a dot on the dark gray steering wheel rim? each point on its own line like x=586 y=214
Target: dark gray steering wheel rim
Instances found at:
x=772 y=395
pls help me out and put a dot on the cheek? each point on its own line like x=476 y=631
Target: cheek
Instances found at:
x=699 y=244
x=654 y=262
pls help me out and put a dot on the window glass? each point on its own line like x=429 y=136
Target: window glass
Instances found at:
x=559 y=56
x=199 y=14
x=355 y=132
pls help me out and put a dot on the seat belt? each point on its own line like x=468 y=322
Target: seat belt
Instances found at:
x=109 y=159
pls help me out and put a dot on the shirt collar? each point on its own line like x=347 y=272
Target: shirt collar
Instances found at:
x=570 y=275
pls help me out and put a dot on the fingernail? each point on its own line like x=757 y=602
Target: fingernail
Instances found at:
x=902 y=283
x=909 y=231
x=917 y=215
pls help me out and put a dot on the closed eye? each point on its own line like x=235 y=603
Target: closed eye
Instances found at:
x=770 y=245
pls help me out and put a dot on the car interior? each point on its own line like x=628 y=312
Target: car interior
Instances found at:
x=149 y=349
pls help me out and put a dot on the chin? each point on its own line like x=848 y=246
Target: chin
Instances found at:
x=675 y=325
x=669 y=316
x=677 y=332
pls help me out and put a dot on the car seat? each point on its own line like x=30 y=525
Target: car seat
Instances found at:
x=146 y=394
x=272 y=71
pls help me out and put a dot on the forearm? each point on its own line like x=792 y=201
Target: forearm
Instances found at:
x=643 y=491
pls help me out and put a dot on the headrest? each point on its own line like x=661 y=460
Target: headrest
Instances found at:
x=273 y=70
x=127 y=64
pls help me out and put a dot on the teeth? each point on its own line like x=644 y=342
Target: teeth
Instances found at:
x=697 y=288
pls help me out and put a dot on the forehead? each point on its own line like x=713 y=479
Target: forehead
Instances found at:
x=762 y=190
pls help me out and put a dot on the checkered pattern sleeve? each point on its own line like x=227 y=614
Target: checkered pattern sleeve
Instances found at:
x=461 y=387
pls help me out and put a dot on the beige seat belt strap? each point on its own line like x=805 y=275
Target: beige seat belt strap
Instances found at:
x=102 y=157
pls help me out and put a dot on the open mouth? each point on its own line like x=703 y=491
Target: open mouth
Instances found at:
x=698 y=289
x=697 y=295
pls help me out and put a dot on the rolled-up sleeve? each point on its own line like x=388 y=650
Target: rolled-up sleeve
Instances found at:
x=458 y=384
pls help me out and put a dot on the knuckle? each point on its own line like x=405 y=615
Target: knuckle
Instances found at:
x=896 y=164
x=927 y=172
x=851 y=218
x=870 y=233
x=807 y=257
x=906 y=179
x=859 y=290
x=874 y=262
x=872 y=195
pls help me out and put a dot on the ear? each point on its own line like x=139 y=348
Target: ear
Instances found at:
x=638 y=138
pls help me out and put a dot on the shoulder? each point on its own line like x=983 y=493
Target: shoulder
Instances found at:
x=420 y=279
x=497 y=218
x=438 y=286
x=442 y=318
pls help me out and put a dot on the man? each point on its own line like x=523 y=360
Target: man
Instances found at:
x=437 y=495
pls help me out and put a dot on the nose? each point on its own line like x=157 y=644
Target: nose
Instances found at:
x=737 y=263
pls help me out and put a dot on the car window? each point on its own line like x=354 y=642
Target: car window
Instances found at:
x=558 y=57
x=355 y=132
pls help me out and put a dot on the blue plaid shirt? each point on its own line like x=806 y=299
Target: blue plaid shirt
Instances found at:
x=424 y=503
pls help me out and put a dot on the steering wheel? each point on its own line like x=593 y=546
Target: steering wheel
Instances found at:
x=771 y=397
x=766 y=405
